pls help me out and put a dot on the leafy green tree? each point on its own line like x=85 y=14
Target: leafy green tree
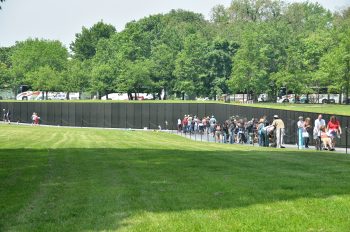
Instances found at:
x=335 y=64
x=32 y=54
x=162 y=68
x=276 y=44
x=35 y=56
x=135 y=77
x=5 y=55
x=84 y=46
x=103 y=79
x=307 y=17
x=249 y=72
x=219 y=66
x=4 y=75
x=76 y=77
x=46 y=79
x=219 y=14
x=255 y=10
x=5 y=66
x=190 y=66
x=294 y=75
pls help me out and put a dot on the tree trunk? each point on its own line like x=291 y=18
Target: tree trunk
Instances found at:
x=274 y=94
x=46 y=97
x=67 y=96
x=165 y=95
x=136 y=96
x=255 y=97
x=183 y=96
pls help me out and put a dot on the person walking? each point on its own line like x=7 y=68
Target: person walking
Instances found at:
x=33 y=118
x=8 y=120
x=280 y=131
x=179 y=125
x=307 y=131
x=319 y=122
x=4 y=115
x=212 y=123
x=184 y=124
x=261 y=132
x=218 y=133
x=300 y=132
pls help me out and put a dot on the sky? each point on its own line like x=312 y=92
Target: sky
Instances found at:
x=61 y=20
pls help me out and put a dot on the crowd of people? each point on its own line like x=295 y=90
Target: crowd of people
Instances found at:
x=236 y=129
x=262 y=131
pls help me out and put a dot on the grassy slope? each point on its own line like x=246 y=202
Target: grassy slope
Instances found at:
x=57 y=179
x=318 y=108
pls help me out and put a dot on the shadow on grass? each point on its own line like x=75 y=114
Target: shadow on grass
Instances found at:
x=99 y=189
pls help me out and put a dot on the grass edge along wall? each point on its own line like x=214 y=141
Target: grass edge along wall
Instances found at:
x=150 y=115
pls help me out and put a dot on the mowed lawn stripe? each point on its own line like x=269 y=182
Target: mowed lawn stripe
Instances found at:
x=60 y=179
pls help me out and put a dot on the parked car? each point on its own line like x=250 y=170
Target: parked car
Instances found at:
x=346 y=101
x=283 y=100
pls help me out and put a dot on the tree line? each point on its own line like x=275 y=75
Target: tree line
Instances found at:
x=252 y=46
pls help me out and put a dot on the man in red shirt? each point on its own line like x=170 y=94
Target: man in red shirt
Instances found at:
x=334 y=129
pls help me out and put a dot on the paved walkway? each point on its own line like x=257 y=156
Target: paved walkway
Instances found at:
x=209 y=138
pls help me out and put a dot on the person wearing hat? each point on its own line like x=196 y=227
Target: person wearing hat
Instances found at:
x=280 y=129
x=301 y=126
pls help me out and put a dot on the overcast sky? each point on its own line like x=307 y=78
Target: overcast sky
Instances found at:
x=52 y=19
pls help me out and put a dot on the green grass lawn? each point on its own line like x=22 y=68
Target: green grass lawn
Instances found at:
x=59 y=179
x=318 y=108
